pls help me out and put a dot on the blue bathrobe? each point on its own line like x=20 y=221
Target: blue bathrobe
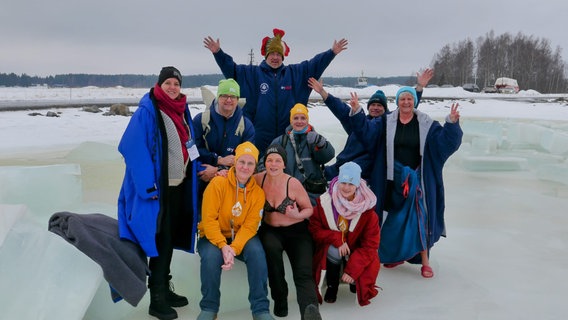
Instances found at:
x=437 y=144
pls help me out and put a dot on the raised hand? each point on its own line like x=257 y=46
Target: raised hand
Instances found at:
x=339 y=46
x=354 y=102
x=454 y=113
x=424 y=78
x=317 y=86
x=213 y=45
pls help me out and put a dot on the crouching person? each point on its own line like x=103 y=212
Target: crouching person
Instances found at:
x=231 y=213
x=345 y=228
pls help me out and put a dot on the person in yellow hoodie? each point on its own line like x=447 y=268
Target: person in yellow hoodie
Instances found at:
x=231 y=213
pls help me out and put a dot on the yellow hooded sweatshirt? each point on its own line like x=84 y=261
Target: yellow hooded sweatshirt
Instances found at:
x=216 y=212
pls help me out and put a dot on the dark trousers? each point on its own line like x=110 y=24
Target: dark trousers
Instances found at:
x=297 y=242
x=160 y=265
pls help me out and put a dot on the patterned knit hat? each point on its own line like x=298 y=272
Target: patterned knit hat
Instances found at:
x=274 y=44
x=169 y=72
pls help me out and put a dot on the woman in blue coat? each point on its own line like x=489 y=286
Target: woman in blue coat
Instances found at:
x=272 y=88
x=157 y=205
x=415 y=149
x=377 y=106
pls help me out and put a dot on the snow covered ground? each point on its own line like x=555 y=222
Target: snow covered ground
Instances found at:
x=506 y=191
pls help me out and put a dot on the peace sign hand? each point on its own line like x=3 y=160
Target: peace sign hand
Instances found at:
x=454 y=113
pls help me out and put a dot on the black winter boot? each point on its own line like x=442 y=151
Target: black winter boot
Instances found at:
x=173 y=299
x=352 y=288
x=311 y=313
x=159 y=306
x=332 y=279
x=281 y=308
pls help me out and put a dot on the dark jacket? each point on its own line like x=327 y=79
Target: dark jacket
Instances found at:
x=222 y=138
x=144 y=148
x=312 y=158
x=271 y=93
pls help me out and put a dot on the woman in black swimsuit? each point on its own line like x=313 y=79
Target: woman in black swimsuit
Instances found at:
x=285 y=228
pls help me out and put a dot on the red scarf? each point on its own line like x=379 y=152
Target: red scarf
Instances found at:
x=175 y=110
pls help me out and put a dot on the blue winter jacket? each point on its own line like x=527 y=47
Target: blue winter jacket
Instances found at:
x=222 y=138
x=271 y=93
x=437 y=144
x=144 y=148
x=354 y=149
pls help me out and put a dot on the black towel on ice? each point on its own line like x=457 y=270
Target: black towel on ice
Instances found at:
x=123 y=262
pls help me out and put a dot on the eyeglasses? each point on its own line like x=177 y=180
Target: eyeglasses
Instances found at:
x=228 y=96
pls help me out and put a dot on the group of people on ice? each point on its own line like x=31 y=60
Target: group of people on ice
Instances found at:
x=251 y=183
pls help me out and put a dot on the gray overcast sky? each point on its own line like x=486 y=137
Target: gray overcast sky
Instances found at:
x=386 y=38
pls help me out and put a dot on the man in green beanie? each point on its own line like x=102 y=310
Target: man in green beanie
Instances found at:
x=219 y=129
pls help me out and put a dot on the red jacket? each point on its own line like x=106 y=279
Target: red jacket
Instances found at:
x=363 y=240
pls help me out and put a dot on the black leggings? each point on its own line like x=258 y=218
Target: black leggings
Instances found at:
x=297 y=242
x=160 y=265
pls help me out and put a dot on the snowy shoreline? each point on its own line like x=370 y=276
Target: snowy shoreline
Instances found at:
x=37 y=98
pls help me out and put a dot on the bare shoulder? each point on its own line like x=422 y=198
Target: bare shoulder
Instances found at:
x=295 y=184
x=258 y=177
x=296 y=190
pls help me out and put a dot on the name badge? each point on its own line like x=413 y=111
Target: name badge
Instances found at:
x=192 y=149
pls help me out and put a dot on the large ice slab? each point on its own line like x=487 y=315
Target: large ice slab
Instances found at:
x=9 y=215
x=538 y=146
x=481 y=163
x=43 y=277
x=43 y=189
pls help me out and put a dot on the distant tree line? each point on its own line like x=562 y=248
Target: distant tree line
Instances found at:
x=529 y=60
x=100 y=80
x=147 y=81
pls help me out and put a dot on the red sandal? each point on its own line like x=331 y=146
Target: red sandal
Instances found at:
x=427 y=272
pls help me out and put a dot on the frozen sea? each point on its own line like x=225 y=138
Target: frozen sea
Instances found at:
x=505 y=255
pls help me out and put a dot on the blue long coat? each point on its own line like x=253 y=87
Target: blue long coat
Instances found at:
x=144 y=148
x=437 y=144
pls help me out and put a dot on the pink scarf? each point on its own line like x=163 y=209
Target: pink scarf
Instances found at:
x=364 y=200
x=175 y=110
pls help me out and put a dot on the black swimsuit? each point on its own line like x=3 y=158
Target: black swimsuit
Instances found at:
x=285 y=203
